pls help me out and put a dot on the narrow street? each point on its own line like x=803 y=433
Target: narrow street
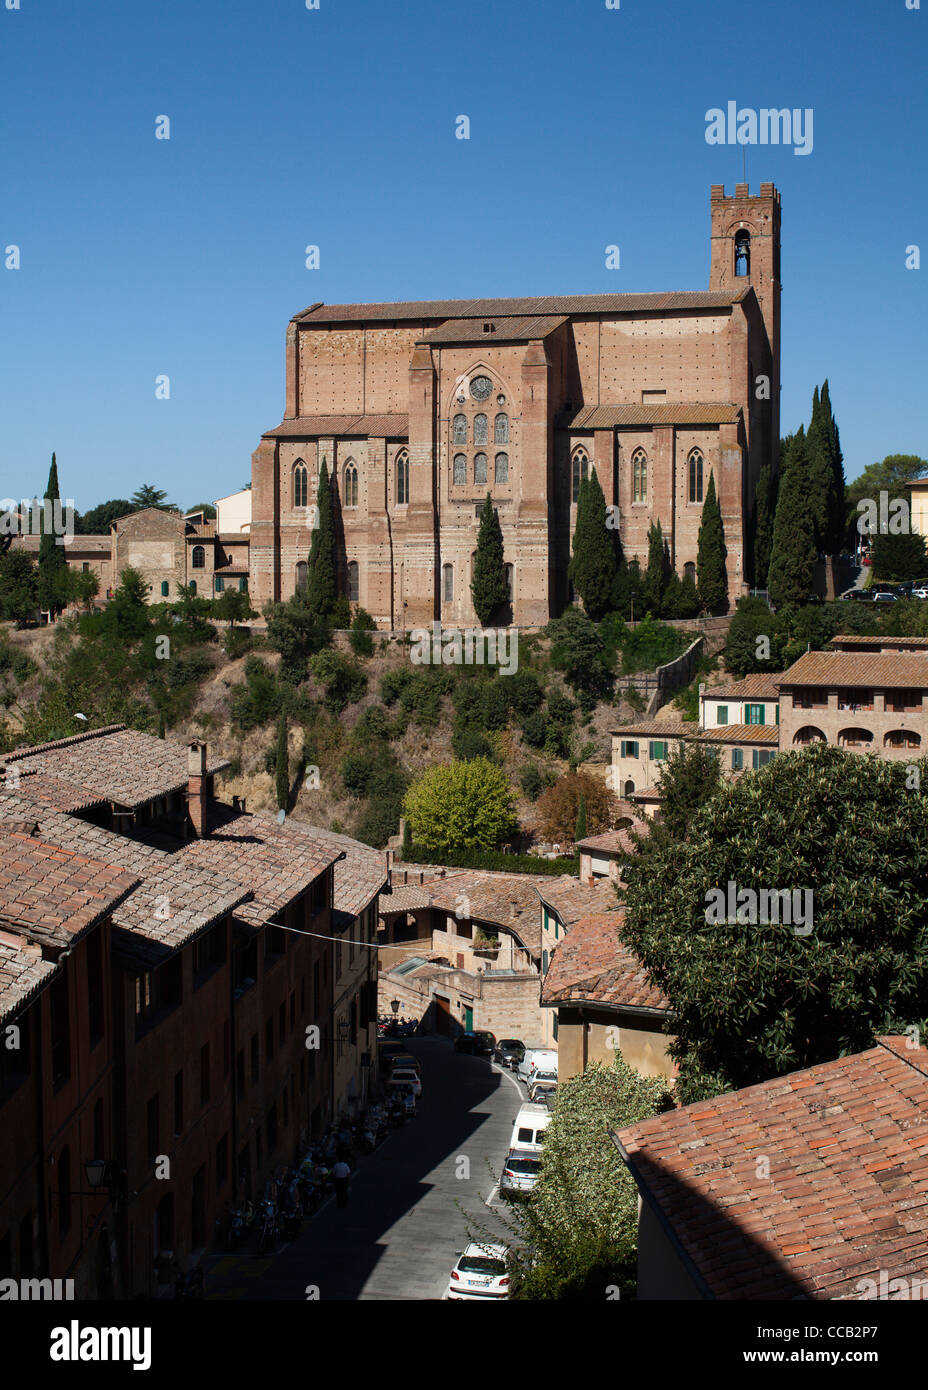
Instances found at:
x=410 y=1201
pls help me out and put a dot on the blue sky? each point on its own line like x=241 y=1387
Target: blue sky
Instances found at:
x=336 y=127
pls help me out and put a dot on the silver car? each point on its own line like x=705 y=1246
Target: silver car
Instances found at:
x=520 y=1173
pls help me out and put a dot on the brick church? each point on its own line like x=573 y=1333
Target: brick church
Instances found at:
x=422 y=408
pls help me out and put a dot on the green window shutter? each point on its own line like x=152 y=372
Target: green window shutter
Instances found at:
x=657 y=750
x=193 y=586
x=722 y=714
x=164 y=588
x=776 y=709
x=754 y=714
x=737 y=759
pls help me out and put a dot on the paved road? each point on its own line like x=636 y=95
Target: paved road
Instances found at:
x=397 y=1239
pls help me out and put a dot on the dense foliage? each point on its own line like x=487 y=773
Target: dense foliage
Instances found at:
x=751 y=1001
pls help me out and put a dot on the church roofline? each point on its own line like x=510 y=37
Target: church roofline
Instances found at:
x=535 y=307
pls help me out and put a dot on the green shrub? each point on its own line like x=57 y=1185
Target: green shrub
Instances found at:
x=188 y=668
x=394 y=682
x=345 y=683
x=355 y=771
x=256 y=700
x=468 y=743
x=493 y=859
x=535 y=729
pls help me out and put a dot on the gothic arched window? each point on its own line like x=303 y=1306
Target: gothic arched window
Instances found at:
x=480 y=468
x=460 y=429
x=501 y=429
x=402 y=477
x=502 y=468
x=695 y=475
x=354 y=581
x=580 y=467
x=302 y=576
x=481 y=429
x=639 y=476
x=198 y=559
x=300 y=484
x=460 y=470
x=447 y=583
x=742 y=253
x=509 y=574
x=351 y=484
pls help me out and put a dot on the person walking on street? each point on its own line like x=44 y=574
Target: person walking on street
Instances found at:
x=341 y=1174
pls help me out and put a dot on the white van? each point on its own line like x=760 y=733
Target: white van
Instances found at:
x=538 y=1057
x=530 y=1124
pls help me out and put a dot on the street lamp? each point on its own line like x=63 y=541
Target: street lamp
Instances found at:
x=395 y=1005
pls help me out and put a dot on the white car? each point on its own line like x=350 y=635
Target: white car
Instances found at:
x=480 y=1273
x=920 y=593
x=405 y=1076
x=546 y=1080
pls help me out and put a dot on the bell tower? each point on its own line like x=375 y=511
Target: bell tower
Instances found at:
x=746 y=251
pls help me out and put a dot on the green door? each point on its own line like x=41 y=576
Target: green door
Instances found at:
x=468 y=1019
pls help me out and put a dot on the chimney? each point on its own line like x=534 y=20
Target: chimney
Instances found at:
x=196 y=786
x=388 y=866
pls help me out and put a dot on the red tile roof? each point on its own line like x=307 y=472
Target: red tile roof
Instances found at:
x=591 y=965
x=847 y=641
x=505 y=330
x=759 y=685
x=52 y=894
x=23 y=973
x=659 y=728
x=847 y=1192
x=613 y=841
x=113 y=764
x=337 y=426
x=741 y=733
x=572 y=304
x=605 y=417
x=869 y=669
x=571 y=899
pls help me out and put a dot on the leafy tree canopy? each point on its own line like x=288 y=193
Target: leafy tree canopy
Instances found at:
x=459 y=806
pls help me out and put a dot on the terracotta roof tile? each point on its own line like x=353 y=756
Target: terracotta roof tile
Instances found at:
x=869 y=669
x=759 y=685
x=604 y=417
x=572 y=900
x=847 y=1195
x=741 y=733
x=53 y=894
x=113 y=764
x=547 y=304
x=330 y=426
x=592 y=965
x=520 y=329
x=23 y=973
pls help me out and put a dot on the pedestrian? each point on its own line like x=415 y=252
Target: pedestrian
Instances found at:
x=341 y=1173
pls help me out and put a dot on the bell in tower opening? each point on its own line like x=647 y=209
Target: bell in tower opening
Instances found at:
x=742 y=254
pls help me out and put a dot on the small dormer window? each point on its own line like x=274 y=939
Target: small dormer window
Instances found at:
x=489 y=328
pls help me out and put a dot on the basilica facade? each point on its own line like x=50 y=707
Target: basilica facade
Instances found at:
x=420 y=409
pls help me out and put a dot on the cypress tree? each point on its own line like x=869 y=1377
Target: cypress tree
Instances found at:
x=283 y=764
x=488 y=586
x=321 y=589
x=711 y=576
x=52 y=561
x=794 y=551
x=657 y=573
x=593 y=564
x=837 y=503
x=763 y=528
x=580 y=832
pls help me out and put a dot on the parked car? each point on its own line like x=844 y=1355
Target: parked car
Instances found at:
x=521 y=1171
x=509 y=1052
x=529 y=1127
x=884 y=596
x=477 y=1044
x=406 y=1061
x=542 y=1079
x=405 y=1074
x=533 y=1059
x=480 y=1273
x=920 y=592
